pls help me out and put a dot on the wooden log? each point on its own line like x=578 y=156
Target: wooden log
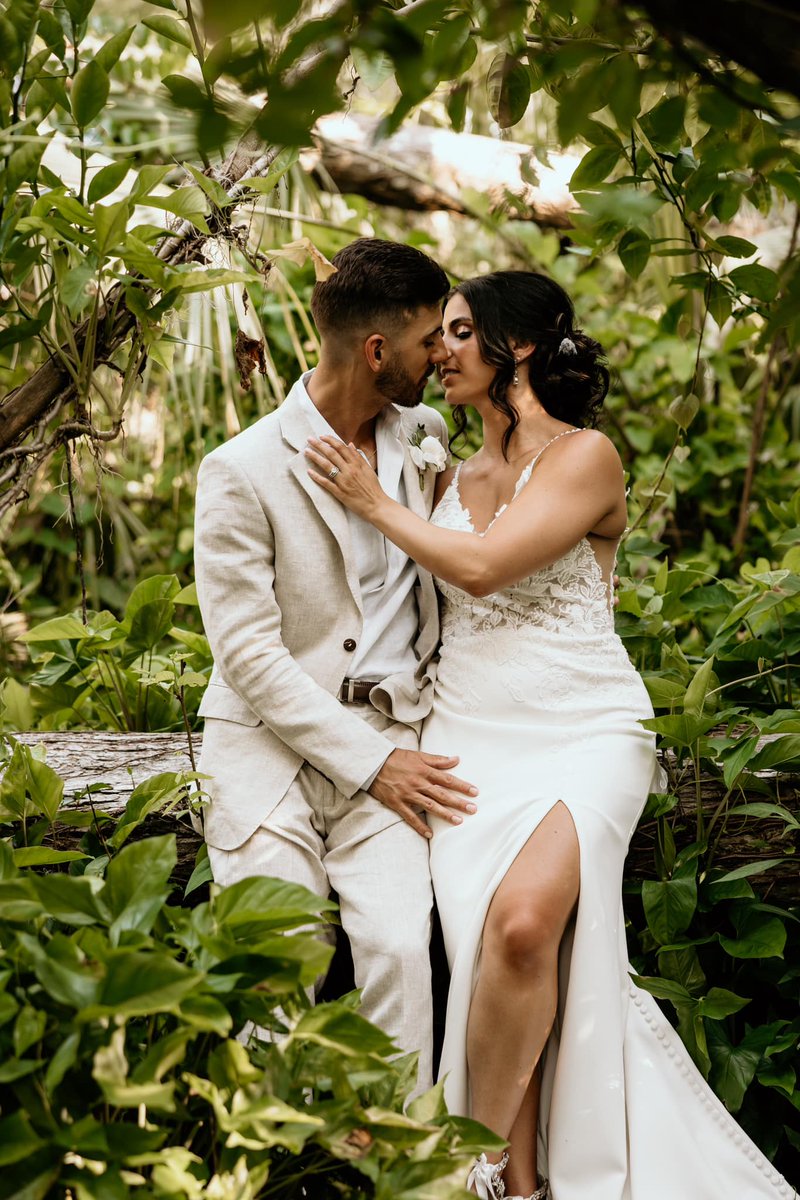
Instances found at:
x=124 y=760
x=426 y=168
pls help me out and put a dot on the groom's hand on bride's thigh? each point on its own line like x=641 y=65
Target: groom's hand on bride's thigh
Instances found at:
x=410 y=780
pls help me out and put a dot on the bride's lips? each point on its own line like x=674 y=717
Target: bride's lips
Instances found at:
x=447 y=375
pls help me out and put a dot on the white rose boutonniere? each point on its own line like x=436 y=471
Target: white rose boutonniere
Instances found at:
x=426 y=451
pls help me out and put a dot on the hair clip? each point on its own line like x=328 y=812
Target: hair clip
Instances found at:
x=567 y=346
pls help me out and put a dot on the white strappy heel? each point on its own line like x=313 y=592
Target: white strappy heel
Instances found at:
x=486 y=1179
x=541 y=1193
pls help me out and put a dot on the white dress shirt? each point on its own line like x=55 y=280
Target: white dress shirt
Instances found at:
x=387 y=575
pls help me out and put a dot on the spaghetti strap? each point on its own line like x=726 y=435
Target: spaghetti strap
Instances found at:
x=564 y=433
x=526 y=472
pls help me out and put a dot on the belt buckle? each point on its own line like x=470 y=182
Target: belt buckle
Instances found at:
x=350 y=694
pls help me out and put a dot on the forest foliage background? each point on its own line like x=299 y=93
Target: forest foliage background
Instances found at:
x=172 y=181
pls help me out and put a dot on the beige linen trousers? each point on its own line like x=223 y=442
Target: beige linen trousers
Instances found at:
x=281 y=605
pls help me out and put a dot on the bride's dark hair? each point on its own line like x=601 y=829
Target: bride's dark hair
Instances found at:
x=567 y=369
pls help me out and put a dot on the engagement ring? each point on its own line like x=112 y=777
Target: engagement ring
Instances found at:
x=334 y=471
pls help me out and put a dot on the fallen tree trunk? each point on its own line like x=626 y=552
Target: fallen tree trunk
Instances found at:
x=430 y=169
x=124 y=760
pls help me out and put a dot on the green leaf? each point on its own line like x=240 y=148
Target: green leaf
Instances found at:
x=64 y=1058
x=663 y=989
x=139 y=983
x=753 y=868
x=107 y=180
x=23 y=164
x=45 y=856
x=735 y=247
x=71 y=899
x=339 y=1029
x=68 y=628
x=17 y=1139
x=759 y=936
x=29 y=1028
x=186 y=93
x=110 y=222
x=738 y=760
x=624 y=98
x=783 y=752
x=694 y=702
x=508 y=86
x=669 y=906
x=188 y=203
x=680 y=730
x=759 y=810
x=75 y=290
x=110 y=52
x=171 y=28
x=155 y=794
x=756 y=281
x=719 y=1003
x=137 y=883
x=733 y=1067
x=89 y=93
x=595 y=166
x=634 y=251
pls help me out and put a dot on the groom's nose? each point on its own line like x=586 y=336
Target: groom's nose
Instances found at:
x=439 y=351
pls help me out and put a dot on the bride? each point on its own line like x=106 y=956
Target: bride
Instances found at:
x=547 y=1040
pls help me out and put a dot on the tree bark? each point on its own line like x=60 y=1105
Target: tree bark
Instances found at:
x=428 y=169
x=23 y=408
x=124 y=760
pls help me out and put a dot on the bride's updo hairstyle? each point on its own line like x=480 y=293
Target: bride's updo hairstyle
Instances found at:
x=567 y=368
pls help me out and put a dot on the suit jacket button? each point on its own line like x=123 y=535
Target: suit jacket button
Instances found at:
x=349 y=644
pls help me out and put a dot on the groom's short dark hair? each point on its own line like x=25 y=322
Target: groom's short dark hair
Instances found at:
x=376 y=282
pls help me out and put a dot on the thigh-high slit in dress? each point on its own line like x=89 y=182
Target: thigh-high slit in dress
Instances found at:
x=536 y=694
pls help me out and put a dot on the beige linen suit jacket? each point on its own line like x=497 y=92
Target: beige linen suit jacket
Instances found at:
x=281 y=604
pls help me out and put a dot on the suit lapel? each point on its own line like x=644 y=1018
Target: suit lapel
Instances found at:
x=296 y=430
x=420 y=501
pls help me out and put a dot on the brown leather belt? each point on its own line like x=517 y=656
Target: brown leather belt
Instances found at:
x=356 y=691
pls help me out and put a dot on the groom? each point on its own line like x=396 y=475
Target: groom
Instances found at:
x=322 y=635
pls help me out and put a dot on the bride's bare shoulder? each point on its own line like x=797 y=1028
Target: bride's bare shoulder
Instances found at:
x=587 y=450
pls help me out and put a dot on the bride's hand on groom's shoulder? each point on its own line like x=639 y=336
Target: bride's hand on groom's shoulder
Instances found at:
x=411 y=780
x=345 y=473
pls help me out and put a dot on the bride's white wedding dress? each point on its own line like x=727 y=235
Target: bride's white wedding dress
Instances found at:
x=536 y=694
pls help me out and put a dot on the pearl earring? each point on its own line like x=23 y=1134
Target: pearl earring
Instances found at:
x=516 y=373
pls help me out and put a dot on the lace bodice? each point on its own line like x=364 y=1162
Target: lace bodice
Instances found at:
x=569 y=596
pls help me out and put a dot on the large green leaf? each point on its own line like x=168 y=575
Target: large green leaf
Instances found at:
x=758 y=936
x=508 y=85
x=17 y=1138
x=137 y=883
x=733 y=1066
x=337 y=1028
x=136 y=983
x=669 y=906
x=89 y=93
x=261 y=904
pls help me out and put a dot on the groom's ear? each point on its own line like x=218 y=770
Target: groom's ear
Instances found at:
x=374 y=348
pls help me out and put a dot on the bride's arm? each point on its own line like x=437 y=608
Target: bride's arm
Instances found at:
x=575 y=488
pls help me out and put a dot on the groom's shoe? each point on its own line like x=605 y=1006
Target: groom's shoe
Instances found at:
x=486 y=1179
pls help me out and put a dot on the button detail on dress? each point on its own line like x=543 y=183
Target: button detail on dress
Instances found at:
x=349 y=643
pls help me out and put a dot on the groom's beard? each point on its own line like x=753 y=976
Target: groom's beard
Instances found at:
x=399 y=386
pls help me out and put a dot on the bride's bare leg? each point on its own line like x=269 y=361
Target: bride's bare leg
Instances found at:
x=514 y=1004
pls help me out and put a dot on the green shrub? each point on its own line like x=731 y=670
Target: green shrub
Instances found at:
x=122 y=1073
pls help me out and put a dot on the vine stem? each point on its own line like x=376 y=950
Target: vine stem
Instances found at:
x=76 y=528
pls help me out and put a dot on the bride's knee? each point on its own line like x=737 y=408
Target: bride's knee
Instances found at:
x=524 y=942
